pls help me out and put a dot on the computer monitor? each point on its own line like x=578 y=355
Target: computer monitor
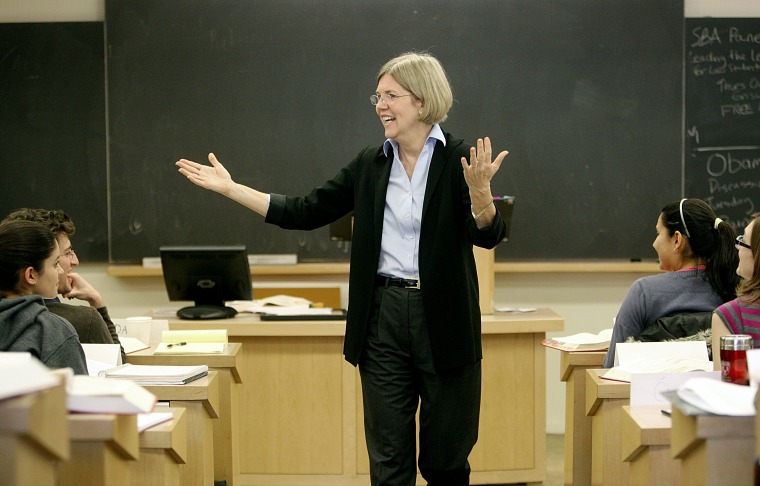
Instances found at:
x=208 y=276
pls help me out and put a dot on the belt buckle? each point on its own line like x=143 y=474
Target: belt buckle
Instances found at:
x=415 y=286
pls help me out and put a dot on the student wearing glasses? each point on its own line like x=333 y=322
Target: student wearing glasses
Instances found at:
x=92 y=323
x=29 y=271
x=742 y=315
x=696 y=250
x=421 y=200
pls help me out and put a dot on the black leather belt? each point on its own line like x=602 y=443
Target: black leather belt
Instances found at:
x=406 y=283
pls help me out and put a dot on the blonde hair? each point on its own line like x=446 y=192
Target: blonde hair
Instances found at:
x=422 y=75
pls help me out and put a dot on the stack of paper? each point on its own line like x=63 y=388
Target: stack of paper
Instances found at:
x=156 y=375
x=718 y=397
x=210 y=341
x=92 y=394
x=581 y=342
x=20 y=373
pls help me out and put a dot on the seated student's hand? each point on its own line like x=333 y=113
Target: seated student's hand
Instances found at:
x=82 y=290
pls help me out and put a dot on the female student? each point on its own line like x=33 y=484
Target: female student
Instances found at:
x=696 y=250
x=29 y=271
x=742 y=315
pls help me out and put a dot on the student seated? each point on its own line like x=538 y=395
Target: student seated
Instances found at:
x=742 y=315
x=695 y=248
x=29 y=271
x=93 y=324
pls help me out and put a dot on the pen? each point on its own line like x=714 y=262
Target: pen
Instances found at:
x=175 y=344
x=665 y=412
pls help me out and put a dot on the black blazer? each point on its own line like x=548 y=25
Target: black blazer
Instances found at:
x=448 y=277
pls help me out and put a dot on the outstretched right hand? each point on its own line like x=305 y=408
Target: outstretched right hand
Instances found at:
x=214 y=177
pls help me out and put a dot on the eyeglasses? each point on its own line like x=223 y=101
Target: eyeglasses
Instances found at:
x=740 y=242
x=70 y=254
x=387 y=98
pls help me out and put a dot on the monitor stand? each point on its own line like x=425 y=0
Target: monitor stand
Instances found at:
x=203 y=312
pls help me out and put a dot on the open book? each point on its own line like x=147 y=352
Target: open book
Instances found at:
x=92 y=394
x=210 y=341
x=156 y=375
x=584 y=341
x=666 y=364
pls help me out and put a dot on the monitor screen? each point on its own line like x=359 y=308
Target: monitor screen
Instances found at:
x=208 y=276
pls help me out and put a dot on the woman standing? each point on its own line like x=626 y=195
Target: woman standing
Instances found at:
x=421 y=200
x=29 y=271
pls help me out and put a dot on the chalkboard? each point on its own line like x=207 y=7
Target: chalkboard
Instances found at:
x=586 y=95
x=722 y=113
x=52 y=126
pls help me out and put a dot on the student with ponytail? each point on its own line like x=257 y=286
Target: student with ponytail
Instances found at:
x=696 y=250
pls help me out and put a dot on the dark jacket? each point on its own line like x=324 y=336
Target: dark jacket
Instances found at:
x=26 y=325
x=448 y=277
x=92 y=325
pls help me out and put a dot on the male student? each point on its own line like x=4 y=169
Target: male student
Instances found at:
x=93 y=324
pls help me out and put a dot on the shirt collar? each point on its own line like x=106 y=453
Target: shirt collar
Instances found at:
x=435 y=133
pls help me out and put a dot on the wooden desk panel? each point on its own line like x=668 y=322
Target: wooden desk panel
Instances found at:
x=34 y=437
x=229 y=368
x=301 y=421
x=102 y=448
x=646 y=446
x=163 y=448
x=713 y=450
x=200 y=399
x=604 y=402
x=573 y=366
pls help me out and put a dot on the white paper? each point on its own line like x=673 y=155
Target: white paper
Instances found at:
x=647 y=388
x=134 y=328
x=20 y=373
x=629 y=353
x=148 y=420
x=131 y=345
x=718 y=397
x=108 y=354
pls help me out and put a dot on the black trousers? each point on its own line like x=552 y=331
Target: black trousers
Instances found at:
x=397 y=375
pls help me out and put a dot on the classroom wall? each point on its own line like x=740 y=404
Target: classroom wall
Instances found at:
x=588 y=302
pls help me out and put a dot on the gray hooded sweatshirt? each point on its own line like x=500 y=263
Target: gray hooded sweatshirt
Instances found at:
x=26 y=325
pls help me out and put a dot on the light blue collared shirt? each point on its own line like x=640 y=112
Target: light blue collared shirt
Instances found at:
x=400 y=246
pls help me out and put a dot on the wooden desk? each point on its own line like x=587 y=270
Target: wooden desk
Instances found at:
x=228 y=366
x=200 y=399
x=713 y=450
x=646 y=446
x=604 y=402
x=163 y=448
x=572 y=370
x=302 y=422
x=34 y=436
x=102 y=448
